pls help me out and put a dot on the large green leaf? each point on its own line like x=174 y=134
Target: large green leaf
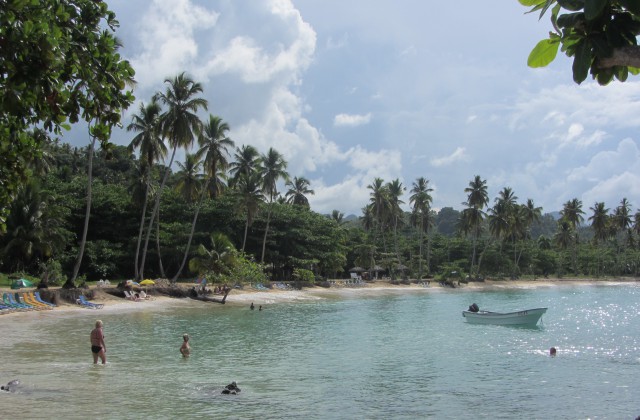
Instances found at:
x=531 y=2
x=594 y=8
x=543 y=53
x=572 y=5
x=582 y=61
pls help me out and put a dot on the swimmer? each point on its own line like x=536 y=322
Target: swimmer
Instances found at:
x=98 y=347
x=251 y=307
x=185 y=349
x=232 y=388
x=552 y=351
x=10 y=387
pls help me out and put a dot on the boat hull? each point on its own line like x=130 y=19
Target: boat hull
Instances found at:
x=527 y=317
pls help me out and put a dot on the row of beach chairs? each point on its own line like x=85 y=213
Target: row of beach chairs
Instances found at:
x=24 y=301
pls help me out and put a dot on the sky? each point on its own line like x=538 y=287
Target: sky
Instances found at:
x=348 y=91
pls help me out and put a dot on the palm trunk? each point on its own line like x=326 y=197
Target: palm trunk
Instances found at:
x=144 y=213
x=156 y=209
x=193 y=227
x=246 y=228
x=87 y=213
x=266 y=231
x=395 y=238
x=428 y=252
x=420 y=255
x=160 y=266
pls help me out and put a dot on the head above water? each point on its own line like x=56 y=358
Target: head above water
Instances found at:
x=185 y=337
x=98 y=324
x=552 y=351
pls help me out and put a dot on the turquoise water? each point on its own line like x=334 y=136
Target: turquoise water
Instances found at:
x=402 y=356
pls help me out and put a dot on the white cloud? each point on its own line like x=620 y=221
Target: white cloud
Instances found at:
x=459 y=155
x=349 y=120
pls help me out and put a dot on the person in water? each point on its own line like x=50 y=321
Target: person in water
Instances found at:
x=552 y=351
x=251 y=307
x=185 y=349
x=232 y=388
x=98 y=347
x=11 y=386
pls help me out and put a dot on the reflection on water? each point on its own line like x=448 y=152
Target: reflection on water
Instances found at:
x=405 y=355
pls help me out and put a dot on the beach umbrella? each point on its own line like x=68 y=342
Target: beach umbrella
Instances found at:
x=147 y=282
x=357 y=270
x=17 y=284
x=401 y=267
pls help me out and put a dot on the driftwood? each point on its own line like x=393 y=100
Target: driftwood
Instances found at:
x=205 y=298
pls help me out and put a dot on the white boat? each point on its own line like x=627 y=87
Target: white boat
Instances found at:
x=528 y=317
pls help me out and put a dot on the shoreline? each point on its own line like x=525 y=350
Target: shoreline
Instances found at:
x=241 y=297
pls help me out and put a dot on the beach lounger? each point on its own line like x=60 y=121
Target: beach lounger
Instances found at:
x=10 y=301
x=90 y=305
x=39 y=299
x=29 y=299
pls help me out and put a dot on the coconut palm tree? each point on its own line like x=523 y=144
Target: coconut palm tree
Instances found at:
x=379 y=200
x=247 y=161
x=421 y=201
x=189 y=179
x=338 y=217
x=179 y=125
x=600 y=224
x=564 y=236
x=298 y=191
x=218 y=259
x=272 y=168
x=395 y=189
x=473 y=215
x=368 y=218
x=572 y=212
x=152 y=149
x=249 y=193
x=213 y=142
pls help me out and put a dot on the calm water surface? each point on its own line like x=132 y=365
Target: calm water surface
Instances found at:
x=396 y=356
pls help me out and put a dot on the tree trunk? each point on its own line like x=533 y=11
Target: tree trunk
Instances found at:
x=420 y=256
x=87 y=213
x=144 y=213
x=266 y=231
x=246 y=228
x=161 y=267
x=193 y=227
x=156 y=209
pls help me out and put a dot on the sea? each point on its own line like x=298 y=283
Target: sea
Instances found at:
x=402 y=354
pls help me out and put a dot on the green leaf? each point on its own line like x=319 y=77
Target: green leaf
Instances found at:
x=530 y=3
x=543 y=53
x=634 y=70
x=621 y=73
x=582 y=61
x=572 y=5
x=593 y=8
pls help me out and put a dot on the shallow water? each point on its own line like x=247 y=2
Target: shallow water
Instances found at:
x=401 y=355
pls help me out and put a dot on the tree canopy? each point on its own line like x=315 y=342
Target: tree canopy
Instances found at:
x=59 y=64
x=600 y=35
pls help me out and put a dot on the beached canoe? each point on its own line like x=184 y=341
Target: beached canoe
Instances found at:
x=528 y=317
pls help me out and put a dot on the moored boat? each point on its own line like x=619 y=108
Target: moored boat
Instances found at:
x=528 y=317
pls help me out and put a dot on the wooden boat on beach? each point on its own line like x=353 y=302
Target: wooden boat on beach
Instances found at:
x=528 y=317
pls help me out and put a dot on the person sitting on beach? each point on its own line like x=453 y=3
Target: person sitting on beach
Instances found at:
x=232 y=389
x=185 y=349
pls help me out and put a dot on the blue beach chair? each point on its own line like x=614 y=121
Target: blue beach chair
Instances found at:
x=90 y=305
x=39 y=299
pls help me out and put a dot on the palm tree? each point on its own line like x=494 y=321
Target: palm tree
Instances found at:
x=298 y=191
x=572 y=213
x=368 y=218
x=249 y=196
x=564 y=235
x=473 y=215
x=213 y=142
x=338 y=217
x=599 y=223
x=214 y=260
x=395 y=189
x=179 y=124
x=189 y=177
x=379 y=200
x=421 y=201
x=247 y=160
x=272 y=168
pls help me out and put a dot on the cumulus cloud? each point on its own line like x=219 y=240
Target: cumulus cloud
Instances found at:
x=351 y=120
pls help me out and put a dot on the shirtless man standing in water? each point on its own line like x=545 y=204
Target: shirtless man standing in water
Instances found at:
x=98 y=348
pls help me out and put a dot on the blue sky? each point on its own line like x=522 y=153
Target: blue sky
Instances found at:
x=352 y=90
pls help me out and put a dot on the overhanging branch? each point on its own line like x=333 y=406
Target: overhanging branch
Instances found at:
x=624 y=56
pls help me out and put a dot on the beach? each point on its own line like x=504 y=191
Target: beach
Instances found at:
x=247 y=295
